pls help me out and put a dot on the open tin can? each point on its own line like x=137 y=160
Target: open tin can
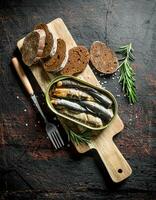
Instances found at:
x=101 y=90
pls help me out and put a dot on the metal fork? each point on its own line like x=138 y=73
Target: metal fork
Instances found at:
x=51 y=129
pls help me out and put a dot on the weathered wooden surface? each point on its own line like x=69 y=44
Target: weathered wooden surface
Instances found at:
x=29 y=167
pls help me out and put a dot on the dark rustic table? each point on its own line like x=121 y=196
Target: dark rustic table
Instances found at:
x=30 y=168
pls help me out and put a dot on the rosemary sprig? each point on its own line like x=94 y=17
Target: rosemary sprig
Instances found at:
x=82 y=138
x=127 y=74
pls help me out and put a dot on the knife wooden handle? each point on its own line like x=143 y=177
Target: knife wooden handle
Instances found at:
x=22 y=76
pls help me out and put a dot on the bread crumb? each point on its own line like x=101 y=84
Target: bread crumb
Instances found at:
x=118 y=95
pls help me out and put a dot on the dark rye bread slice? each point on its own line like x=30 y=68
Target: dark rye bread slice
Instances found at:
x=78 y=58
x=31 y=47
x=103 y=58
x=52 y=64
x=48 y=41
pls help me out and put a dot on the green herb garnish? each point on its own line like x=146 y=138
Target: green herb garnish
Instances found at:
x=127 y=74
x=82 y=138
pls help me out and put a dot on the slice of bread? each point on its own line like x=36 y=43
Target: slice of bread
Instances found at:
x=33 y=46
x=103 y=58
x=53 y=62
x=49 y=39
x=78 y=57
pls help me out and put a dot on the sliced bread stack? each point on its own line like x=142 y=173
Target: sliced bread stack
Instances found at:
x=42 y=45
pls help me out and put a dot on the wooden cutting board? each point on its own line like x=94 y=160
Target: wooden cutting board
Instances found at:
x=117 y=166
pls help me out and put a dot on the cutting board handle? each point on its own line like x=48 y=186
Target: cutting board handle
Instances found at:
x=115 y=163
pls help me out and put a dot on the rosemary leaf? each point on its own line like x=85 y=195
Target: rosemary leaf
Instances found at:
x=127 y=74
x=82 y=138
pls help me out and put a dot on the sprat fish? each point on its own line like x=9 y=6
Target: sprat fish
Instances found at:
x=83 y=117
x=72 y=93
x=101 y=98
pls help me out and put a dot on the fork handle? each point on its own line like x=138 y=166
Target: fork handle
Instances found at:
x=33 y=97
x=22 y=76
